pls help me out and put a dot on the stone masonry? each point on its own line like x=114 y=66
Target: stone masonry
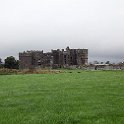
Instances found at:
x=55 y=58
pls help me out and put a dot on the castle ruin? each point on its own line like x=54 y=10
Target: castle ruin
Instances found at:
x=55 y=59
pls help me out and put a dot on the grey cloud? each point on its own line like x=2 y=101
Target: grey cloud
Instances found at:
x=45 y=24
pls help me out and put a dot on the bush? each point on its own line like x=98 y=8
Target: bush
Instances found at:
x=5 y=71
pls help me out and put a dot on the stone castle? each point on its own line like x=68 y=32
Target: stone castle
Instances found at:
x=55 y=59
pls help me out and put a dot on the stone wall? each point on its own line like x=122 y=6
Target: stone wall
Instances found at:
x=55 y=58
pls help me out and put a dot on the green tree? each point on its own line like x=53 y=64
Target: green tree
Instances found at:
x=107 y=62
x=1 y=64
x=11 y=63
x=0 y=61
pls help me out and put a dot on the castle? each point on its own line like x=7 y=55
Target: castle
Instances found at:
x=55 y=59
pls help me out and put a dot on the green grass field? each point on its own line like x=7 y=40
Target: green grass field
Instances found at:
x=88 y=97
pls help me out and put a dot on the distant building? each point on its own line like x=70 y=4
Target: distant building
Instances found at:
x=55 y=58
x=102 y=66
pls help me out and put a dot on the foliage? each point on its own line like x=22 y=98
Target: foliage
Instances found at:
x=88 y=97
x=108 y=62
x=1 y=64
x=11 y=63
x=0 y=61
x=5 y=71
x=40 y=71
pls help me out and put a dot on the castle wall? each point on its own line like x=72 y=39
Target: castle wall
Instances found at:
x=55 y=58
x=25 y=60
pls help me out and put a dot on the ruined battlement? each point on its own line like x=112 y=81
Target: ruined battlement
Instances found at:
x=55 y=58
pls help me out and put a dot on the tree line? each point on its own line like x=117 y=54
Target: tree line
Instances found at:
x=10 y=63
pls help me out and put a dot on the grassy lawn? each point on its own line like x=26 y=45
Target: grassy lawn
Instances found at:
x=88 y=97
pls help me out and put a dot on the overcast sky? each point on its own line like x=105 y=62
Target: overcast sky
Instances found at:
x=50 y=24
